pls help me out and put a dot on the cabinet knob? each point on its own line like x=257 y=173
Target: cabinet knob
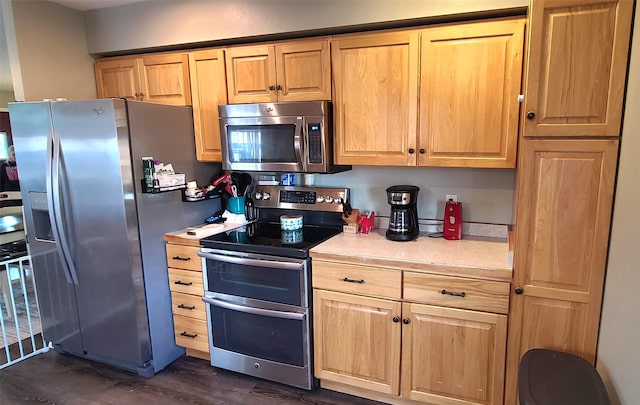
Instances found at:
x=278 y=87
x=518 y=290
x=531 y=115
x=406 y=321
x=422 y=151
x=272 y=87
x=412 y=151
x=396 y=319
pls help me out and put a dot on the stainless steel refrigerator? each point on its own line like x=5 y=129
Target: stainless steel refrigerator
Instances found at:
x=94 y=237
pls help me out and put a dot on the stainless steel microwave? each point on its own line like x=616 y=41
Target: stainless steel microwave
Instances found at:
x=278 y=137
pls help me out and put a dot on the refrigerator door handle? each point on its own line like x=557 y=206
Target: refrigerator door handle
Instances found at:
x=54 y=202
x=52 y=217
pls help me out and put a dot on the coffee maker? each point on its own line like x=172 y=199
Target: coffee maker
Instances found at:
x=403 y=220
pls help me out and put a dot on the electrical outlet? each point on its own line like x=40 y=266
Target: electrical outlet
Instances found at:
x=452 y=197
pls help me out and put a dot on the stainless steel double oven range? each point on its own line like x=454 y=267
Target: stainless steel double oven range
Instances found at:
x=258 y=284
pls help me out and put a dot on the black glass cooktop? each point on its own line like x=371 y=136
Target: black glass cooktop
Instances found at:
x=269 y=238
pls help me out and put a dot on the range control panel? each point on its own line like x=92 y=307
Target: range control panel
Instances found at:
x=301 y=198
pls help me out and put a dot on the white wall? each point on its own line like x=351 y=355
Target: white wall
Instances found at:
x=52 y=52
x=162 y=23
x=618 y=351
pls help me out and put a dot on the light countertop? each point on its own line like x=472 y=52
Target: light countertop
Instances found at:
x=180 y=236
x=473 y=256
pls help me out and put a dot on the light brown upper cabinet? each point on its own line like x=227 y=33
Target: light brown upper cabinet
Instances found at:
x=465 y=78
x=577 y=67
x=287 y=71
x=158 y=78
x=376 y=98
x=470 y=77
x=208 y=89
x=118 y=77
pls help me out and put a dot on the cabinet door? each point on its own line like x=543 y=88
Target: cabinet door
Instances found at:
x=565 y=192
x=376 y=98
x=303 y=71
x=251 y=74
x=356 y=341
x=452 y=356
x=577 y=67
x=166 y=79
x=469 y=86
x=117 y=78
x=208 y=90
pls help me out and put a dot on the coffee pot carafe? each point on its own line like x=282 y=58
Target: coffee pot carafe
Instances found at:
x=403 y=219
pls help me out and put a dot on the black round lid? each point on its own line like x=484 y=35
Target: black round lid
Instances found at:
x=556 y=378
x=403 y=189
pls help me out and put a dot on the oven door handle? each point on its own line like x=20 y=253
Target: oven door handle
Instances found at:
x=274 y=264
x=255 y=311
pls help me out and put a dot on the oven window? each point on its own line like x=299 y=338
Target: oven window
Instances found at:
x=264 y=337
x=262 y=283
x=261 y=143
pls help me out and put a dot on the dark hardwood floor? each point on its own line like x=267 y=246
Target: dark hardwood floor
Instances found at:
x=52 y=378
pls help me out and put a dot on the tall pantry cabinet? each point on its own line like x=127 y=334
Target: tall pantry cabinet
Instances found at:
x=575 y=80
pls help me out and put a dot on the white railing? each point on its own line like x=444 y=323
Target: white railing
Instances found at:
x=19 y=315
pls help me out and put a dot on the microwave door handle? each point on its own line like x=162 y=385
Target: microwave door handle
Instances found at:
x=274 y=264
x=255 y=311
x=299 y=146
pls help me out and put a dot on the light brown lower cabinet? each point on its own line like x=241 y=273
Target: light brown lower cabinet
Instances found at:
x=187 y=289
x=356 y=341
x=392 y=350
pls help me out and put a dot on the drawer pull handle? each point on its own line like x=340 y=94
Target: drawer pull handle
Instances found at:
x=348 y=280
x=190 y=308
x=185 y=334
x=184 y=259
x=455 y=294
x=183 y=283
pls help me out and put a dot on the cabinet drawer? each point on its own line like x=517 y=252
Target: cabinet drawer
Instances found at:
x=356 y=279
x=186 y=281
x=188 y=305
x=481 y=295
x=191 y=333
x=183 y=257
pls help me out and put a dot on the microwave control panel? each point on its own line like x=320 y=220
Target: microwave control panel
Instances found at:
x=315 y=143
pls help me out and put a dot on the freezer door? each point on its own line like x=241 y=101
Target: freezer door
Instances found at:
x=32 y=130
x=101 y=230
